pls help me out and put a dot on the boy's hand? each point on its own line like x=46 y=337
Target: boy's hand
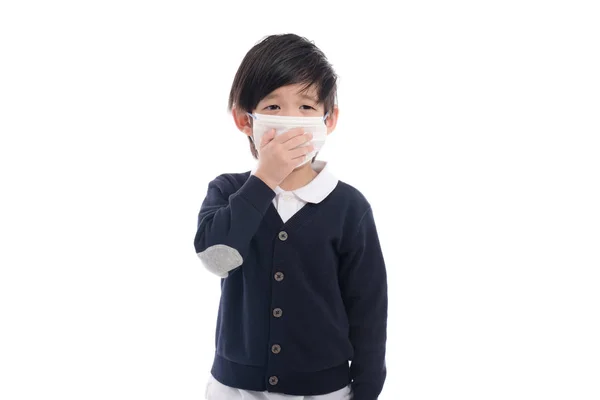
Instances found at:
x=278 y=156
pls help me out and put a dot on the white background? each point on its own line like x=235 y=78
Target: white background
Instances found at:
x=471 y=126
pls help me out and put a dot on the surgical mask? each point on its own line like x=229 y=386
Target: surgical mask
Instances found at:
x=315 y=125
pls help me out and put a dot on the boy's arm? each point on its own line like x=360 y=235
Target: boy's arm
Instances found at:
x=363 y=283
x=227 y=223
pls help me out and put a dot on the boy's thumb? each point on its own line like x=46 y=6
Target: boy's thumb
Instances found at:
x=267 y=137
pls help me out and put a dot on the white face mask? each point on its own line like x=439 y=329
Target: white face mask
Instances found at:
x=315 y=125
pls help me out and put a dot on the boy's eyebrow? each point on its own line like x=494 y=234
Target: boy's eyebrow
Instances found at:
x=305 y=96
x=271 y=96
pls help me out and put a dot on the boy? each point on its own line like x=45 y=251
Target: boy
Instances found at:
x=303 y=279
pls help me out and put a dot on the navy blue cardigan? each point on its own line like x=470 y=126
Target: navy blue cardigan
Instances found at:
x=300 y=299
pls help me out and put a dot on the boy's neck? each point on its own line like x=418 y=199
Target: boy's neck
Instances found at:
x=299 y=178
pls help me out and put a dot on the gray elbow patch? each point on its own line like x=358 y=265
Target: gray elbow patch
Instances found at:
x=220 y=259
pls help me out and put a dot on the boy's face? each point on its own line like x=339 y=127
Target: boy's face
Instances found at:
x=288 y=101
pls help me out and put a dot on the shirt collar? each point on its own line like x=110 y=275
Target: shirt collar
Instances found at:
x=317 y=189
x=320 y=187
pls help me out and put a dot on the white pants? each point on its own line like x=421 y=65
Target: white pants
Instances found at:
x=215 y=390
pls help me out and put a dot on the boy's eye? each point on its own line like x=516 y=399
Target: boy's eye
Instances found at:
x=271 y=107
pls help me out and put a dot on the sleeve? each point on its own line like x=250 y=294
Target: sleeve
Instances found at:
x=363 y=283
x=226 y=224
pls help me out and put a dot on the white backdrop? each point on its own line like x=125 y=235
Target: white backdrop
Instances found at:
x=472 y=127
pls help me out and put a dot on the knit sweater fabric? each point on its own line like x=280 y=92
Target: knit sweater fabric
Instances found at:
x=299 y=299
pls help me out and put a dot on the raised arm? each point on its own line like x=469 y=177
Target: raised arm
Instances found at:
x=227 y=223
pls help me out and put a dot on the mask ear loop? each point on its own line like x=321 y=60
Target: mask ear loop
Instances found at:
x=325 y=117
x=252 y=137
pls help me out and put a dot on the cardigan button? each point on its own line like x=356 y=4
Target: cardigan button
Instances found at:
x=283 y=236
x=276 y=349
x=279 y=276
x=273 y=380
x=277 y=312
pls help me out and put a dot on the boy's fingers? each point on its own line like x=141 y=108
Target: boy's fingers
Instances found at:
x=301 y=151
x=297 y=141
x=292 y=133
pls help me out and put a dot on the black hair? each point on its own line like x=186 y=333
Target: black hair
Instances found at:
x=280 y=60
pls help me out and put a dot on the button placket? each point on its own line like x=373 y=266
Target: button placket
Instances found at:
x=277 y=312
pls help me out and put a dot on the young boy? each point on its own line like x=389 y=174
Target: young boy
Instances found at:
x=303 y=279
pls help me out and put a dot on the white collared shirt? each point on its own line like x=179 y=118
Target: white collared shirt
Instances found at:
x=287 y=203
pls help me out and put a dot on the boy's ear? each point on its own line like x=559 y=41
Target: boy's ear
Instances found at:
x=332 y=119
x=242 y=121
